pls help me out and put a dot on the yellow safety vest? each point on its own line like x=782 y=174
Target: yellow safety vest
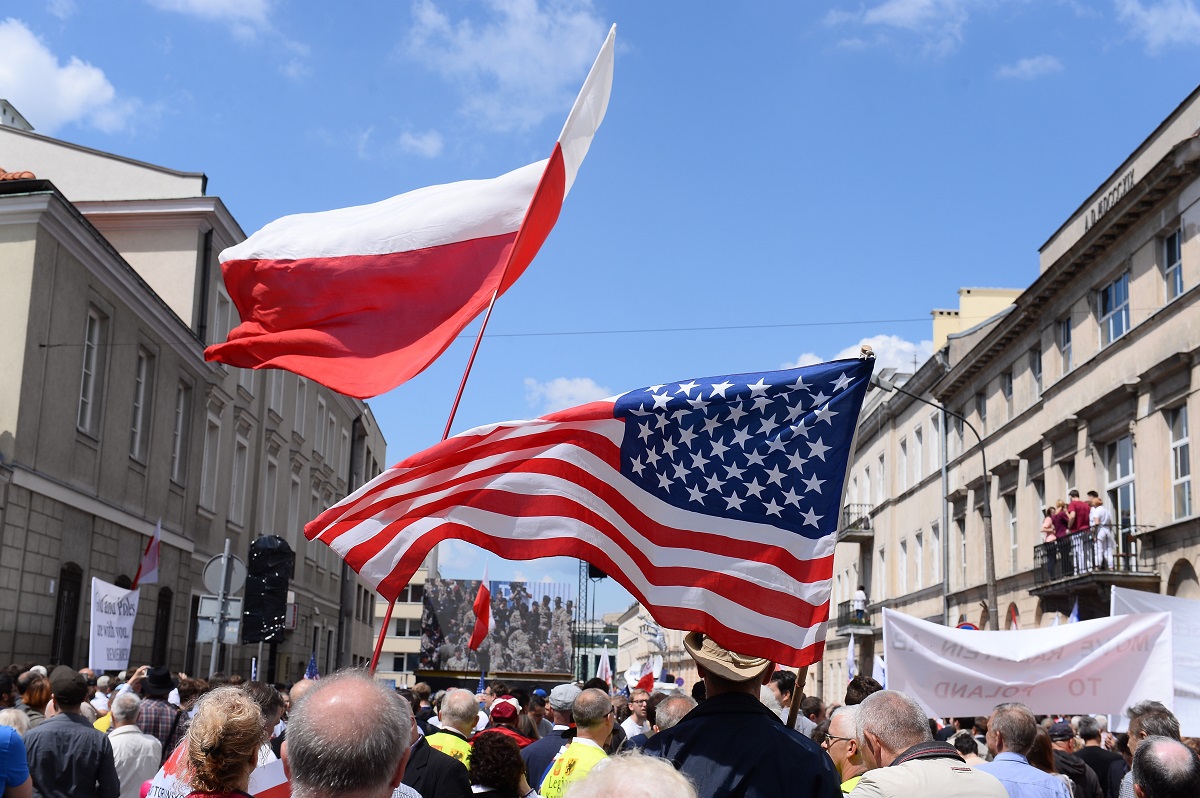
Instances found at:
x=571 y=764
x=451 y=744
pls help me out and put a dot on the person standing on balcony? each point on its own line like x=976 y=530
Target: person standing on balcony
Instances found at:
x=859 y=604
x=1101 y=521
x=1078 y=513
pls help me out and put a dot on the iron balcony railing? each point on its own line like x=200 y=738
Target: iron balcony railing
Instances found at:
x=847 y=616
x=1083 y=553
x=856 y=520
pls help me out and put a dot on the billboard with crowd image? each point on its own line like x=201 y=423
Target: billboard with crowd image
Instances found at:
x=532 y=631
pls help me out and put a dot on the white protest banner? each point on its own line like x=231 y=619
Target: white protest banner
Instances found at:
x=266 y=781
x=1099 y=666
x=1185 y=641
x=114 y=609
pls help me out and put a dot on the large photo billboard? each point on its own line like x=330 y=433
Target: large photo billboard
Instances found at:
x=532 y=631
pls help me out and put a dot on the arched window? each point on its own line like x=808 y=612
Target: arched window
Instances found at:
x=66 y=615
x=1183 y=581
x=123 y=582
x=160 y=648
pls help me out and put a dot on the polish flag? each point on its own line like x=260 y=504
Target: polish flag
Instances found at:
x=362 y=299
x=484 y=622
x=147 y=572
x=604 y=671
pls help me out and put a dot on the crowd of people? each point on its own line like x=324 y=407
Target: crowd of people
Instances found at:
x=1078 y=536
x=743 y=731
x=529 y=635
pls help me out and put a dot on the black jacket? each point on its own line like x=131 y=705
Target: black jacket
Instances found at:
x=731 y=746
x=1085 y=781
x=434 y=774
x=1104 y=764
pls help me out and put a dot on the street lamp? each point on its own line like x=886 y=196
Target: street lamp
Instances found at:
x=989 y=555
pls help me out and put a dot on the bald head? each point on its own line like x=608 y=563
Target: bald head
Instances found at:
x=460 y=711
x=348 y=737
x=1165 y=768
x=301 y=689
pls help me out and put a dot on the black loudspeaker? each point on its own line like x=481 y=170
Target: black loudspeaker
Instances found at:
x=267 y=576
x=595 y=573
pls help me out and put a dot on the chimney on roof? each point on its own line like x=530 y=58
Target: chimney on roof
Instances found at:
x=11 y=117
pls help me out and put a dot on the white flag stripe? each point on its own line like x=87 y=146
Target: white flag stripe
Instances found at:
x=501 y=528
x=588 y=111
x=799 y=546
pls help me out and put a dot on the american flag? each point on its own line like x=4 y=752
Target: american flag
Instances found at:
x=311 y=671
x=713 y=501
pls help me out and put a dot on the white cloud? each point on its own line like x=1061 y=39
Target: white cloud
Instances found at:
x=253 y=13
x=526 y=62
x=1030 y=68
x=938 y=23
x=427 y=145
x=51 y=94
x=891 y=351
x=563 y=392
x=61 y=8
x=1161 y=24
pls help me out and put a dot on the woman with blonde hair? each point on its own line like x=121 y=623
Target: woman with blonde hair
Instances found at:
x=223 y=743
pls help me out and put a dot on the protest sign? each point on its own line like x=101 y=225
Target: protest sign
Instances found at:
x=1185 y=643
x=114 y=609
x=1099 y=666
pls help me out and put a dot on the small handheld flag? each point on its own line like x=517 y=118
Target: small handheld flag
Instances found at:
x=311 y=671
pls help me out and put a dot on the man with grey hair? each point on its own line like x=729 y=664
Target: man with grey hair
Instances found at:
x=1012 y=730
x=135 y=753
x=458 y=715
x=350 y=736
x=1147 y=719
x=842 y=744
x=671 y=710
x=905 y=759
x=1165 y=768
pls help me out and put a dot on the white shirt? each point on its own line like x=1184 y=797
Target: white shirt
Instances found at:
x=100 y=702
x=633 y=728
x=1101 y=519
x=136 y=755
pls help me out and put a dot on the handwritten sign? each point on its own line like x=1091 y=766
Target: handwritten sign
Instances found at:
x=114 y=610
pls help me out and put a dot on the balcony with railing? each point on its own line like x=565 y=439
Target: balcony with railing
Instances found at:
x=1078 y=562
x=856 y=526
x=852 y=622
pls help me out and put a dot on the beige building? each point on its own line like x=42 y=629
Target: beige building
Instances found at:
x=1089 y=379
x=110 y=419
x=400 y=657
x=640 y=638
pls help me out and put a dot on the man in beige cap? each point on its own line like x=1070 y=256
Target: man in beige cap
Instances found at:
x=731 y=745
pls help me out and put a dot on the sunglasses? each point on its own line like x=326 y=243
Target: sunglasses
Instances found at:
x=831 y=738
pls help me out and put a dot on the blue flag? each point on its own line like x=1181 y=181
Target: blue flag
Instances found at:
x=1074 y=613
x=311 y=671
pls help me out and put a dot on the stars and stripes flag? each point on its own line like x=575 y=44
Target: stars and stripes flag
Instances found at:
x=713 y=501
x=311 y=671
x=362 y=299
x=484 y=622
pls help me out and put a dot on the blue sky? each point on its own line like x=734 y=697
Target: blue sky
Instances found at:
x=774 y=182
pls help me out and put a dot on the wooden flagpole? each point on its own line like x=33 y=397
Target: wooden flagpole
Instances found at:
x=797 y=692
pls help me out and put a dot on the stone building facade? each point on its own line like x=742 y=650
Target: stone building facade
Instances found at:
x=1089 y=379
x=110 y=419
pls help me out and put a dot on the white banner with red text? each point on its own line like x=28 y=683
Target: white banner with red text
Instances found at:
x=1099 y=666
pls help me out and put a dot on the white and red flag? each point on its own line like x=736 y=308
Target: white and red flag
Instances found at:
x=484 y=622
x=714 y=501
x=604 y=669
x=362 y=299
x=147 y=572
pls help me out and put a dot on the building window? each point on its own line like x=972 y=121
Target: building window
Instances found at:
x=961 y=523
x=866 y=484
x=246 y=380
x=143 y=399
x=1173 y=264
x=1181 y=466
x=91 y=384
x=1114 y=310
x=919 y=560
x=161 y=645
x=222 y=318
x=293 y=521
x=270 y=488
x=1006 y=391
x=344 y=458
x=918 y=456
x=981 y=411
x=1064 y=345
x=211 y=465
x=179 y=430
x=1035 y=368
x=275 y=391
x=902 y=466
x=66 y=615
x=301 y=405
x=881 y=487
x=935 y=550
x=903 y=567
x=883 y=575
x=1118 y=462
x=1010 y=504
x=322 y=420
x=237 y=491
